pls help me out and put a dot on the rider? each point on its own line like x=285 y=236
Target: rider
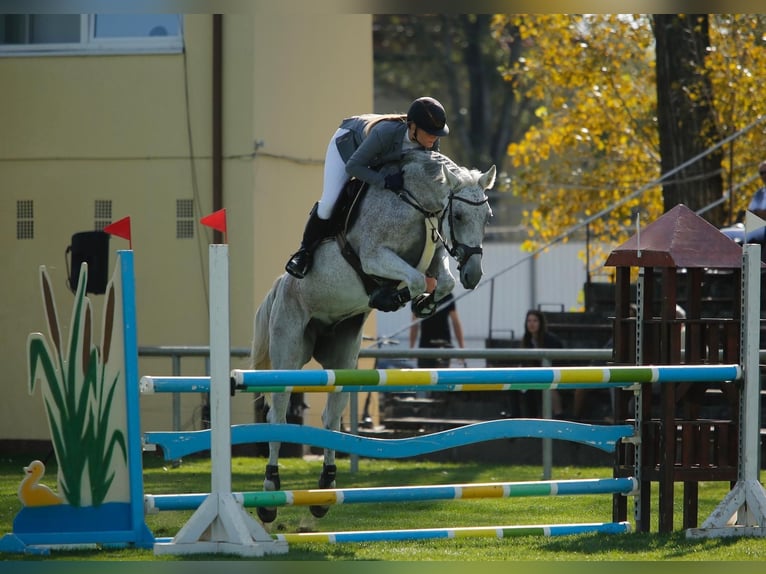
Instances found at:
x=360 y=146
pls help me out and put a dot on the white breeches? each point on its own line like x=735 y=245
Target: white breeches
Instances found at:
x=335 y=177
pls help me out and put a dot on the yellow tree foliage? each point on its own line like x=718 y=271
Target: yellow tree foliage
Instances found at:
x=737 y=66
x=595 y=145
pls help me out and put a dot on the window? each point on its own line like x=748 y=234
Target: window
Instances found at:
x=25 y=222
x=102 y=213
x=29 y=34
x=184 y=219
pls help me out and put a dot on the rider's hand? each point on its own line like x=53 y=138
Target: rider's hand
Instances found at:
x=394 y=181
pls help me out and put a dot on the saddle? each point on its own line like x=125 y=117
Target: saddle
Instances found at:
x=382 y=291
x=346 y=210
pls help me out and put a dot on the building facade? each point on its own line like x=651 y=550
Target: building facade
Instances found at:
x=164 y=119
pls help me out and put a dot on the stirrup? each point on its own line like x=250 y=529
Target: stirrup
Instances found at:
x=299 y=264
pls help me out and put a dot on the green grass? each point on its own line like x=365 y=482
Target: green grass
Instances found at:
x=193 y=475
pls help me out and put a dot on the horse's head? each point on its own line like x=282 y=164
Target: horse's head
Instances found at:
x=465 y=219
x=434 y=184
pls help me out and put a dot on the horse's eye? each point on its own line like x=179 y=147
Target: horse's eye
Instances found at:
x=458 y=217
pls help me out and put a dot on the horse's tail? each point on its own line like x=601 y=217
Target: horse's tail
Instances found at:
x=259 y=352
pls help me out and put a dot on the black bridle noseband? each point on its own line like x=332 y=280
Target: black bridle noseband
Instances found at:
x=460 y=251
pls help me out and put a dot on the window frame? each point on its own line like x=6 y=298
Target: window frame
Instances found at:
x=89 y=44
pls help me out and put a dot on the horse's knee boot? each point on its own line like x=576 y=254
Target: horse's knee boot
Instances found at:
x=388 y=299
x=326 y=480
x=270 y=482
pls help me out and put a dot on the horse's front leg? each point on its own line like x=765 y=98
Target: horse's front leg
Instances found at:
x=439 y=269
x=277 y=415
x=331 y=418
x=386 y=263
x=425 y=305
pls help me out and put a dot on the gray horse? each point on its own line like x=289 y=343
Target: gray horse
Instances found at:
x=442 y=210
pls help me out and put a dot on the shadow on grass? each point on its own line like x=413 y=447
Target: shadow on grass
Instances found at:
x=670 y=546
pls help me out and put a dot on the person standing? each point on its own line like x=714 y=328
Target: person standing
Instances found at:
x=435 y=331
x=757 y=203
x=537 y=336
x=757 y=206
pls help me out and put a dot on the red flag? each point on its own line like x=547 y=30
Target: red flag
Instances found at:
x=216 y=220
x=119 y=228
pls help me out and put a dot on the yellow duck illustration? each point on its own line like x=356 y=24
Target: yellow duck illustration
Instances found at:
x=31 y=493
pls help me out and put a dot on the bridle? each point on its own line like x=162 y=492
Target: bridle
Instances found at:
x=459 y=251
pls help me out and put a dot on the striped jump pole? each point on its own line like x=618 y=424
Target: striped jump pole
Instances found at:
x=174 y=384
x=467 y=532
x=627 y=486
x=488 y=379
x=220 y=524
x=497 y=532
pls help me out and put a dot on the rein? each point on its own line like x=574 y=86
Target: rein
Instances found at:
x=459 y=251
x=412 y=201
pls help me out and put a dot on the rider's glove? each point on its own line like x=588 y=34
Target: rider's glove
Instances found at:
x=394 y=181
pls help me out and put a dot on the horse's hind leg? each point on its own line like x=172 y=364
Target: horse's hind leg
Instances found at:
x=336 y=404
x=277 y=414
x=338 y=351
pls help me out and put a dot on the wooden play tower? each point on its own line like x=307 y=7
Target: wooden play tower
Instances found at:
x=682 y=261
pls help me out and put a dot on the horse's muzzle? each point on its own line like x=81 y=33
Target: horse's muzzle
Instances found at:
x=471 y=271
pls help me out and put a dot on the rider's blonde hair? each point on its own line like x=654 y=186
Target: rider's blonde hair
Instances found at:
x=384 y=118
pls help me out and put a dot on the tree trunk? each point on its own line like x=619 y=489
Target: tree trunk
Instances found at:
x=685 y=115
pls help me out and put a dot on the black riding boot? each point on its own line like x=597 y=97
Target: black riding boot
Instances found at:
x=316 y=230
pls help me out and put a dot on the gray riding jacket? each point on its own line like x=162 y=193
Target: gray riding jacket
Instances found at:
x=365 y=154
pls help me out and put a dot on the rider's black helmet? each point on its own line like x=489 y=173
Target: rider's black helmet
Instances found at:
x=429 y=115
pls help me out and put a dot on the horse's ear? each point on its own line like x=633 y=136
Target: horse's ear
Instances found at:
x=487 y=180
x=452 y=180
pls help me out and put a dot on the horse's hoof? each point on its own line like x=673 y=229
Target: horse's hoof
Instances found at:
x=266 y=515
x=424 y=305
x=270 y=482
x=317 y=511
x=326 y=480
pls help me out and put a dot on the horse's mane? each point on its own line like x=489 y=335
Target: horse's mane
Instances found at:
x=431 y=162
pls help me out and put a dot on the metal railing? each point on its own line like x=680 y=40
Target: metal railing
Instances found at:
x=545 y=356
x=177 y=352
